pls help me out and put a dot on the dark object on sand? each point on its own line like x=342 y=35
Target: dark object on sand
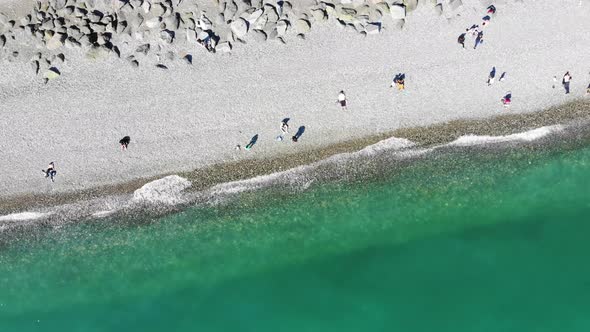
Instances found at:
x=125 y=142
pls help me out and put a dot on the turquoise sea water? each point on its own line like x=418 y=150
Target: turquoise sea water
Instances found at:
x=462 y=241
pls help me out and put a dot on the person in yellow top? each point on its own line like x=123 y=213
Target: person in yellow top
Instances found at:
x=399 y=81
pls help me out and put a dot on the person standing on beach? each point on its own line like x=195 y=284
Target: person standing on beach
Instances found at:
x=461 y=40
x=284 y=130
x=479 y=39
x=342 y=100
x=566 y=82
x=50 y=172
x=492 y=76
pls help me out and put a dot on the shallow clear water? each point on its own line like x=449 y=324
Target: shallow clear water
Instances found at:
x=463 y=241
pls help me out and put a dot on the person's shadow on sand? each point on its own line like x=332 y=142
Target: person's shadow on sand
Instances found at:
x=297 y=135
x=253 y=141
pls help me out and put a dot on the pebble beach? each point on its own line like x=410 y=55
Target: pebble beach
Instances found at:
x=78 y=75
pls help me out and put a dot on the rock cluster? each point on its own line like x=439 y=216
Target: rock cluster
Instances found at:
x=105 y=27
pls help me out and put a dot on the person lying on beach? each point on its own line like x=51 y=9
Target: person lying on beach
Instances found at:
x=588 y=89
x=491 y=9
x=473 y=30
x=124 y=142
x=507 y=99
x=399 y=81
x=341 y=100
x=284 y=127
x=502 y=77
x=461 y=40
x=50 y=172
x=486 y=20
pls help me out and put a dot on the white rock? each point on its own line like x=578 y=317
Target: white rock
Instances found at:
x=239 y=27
x=411 y=4
x=157 y=10
x=52 y=73
x=167 y=36
x=260 y=35
x=319 y=14
x=373 y=28
x=302 y=26
x=97 y=53
x=438 y=9
x=153 y=23
x=254 y=16
x=56 y=41
x=282 y=26
x=223 y=47
x=398 y=11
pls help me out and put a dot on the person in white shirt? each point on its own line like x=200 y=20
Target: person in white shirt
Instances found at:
x=566 y=82
x=342 y=100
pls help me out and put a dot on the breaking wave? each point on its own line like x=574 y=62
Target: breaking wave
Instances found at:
x=170 y=193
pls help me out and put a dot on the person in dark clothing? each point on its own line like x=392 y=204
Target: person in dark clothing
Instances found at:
x=461 y=40
x=479 y=39
x=492 y=76
x=125 y=142
x=50 y=172
x=566 y=82
x=491 y=9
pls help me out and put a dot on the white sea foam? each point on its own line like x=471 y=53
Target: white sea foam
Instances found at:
x=527 y=136
x=171 y=190
x=167 y=190
x=102 y=214
x=299 y=176
x=24 y=216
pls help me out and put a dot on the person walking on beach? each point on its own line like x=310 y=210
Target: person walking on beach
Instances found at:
x=502 y=77
x=492 y=76
x=461 y=40
x=124 y=142
x=50 y=172
x=588 y=89
x=284 y=129
x=479 y=39
x=342 y=99
x=566 y=82
x=554 y=81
